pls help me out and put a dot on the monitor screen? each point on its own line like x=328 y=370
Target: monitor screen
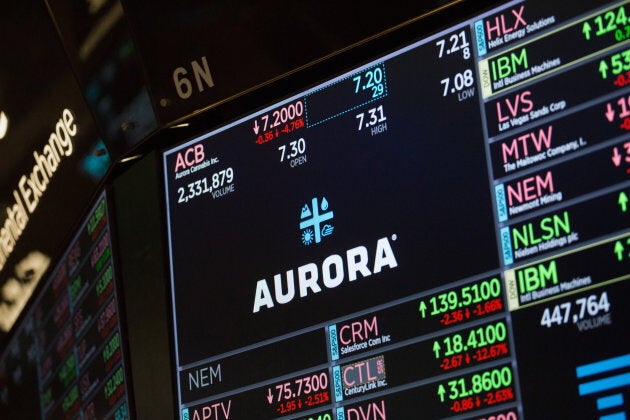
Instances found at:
x=65 y=359
x=441 y=231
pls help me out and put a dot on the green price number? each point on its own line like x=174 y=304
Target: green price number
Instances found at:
x=75 y=287
x=474 y=339
x=114 y=382
x=477 y=384
x=68 y=371
x=70 y=399
x=611 y=21
x=464 y=297
x=111 y=347
x=325 y=416
x=615 y=64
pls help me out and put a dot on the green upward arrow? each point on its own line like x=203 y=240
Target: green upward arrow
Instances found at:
x=619 y=250
x=441 y=392
x=623 y=201
x=603 y=69
x=436 y=349
x=586 y=30
x=423 y=308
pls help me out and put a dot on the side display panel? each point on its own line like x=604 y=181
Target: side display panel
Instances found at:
x=438 y=233
x=66 y=359
x=555 y=104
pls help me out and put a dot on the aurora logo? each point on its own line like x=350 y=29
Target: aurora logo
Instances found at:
x=311 y=219
x=333 y=271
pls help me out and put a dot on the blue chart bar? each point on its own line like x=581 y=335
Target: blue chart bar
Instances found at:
x=616 y=416
x=605 y=384
x=609 y=402
x=603 y=366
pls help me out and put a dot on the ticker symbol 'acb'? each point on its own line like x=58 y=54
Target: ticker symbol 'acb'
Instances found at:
x=311 y=219
x=190 y=157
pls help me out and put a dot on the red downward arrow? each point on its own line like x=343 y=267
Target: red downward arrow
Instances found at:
x=610 y=113
x=270 y=396
x=616 y=158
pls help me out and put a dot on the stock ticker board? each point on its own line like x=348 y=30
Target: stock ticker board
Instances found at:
x=443 y=232
x=66 y=360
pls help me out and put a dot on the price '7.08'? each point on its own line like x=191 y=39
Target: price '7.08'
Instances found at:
x=460 y=82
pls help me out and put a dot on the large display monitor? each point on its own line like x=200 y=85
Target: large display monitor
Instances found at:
x=66 y=358
x=440 y=232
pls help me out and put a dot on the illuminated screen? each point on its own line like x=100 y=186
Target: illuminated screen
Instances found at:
x=441 y=232
x=65 y=361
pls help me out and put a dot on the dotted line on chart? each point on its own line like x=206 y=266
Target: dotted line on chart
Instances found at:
x=308 y=125
x=306 y=111
x=346 y=111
